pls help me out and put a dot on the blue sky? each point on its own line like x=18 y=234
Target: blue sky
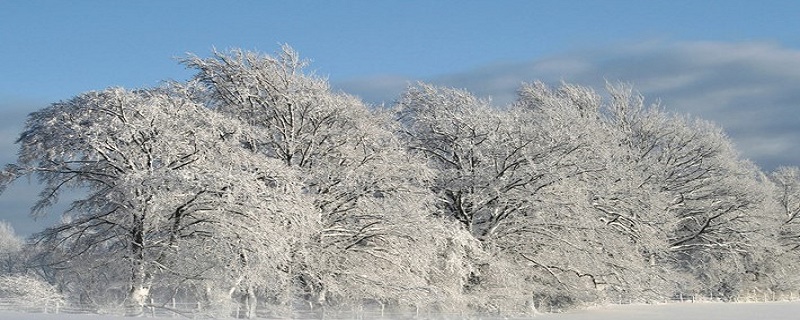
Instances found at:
x=736 y=63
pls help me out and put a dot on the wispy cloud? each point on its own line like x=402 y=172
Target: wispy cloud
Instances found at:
x=751 y=89
x=376 y=89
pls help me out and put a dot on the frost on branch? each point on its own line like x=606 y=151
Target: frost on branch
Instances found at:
x=368 y=191
x=27 y=291
x=164 y=175
x=255 y=184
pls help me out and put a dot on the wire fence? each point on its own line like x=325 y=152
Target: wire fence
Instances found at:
x=27 y=306
x=184 y=311
x=754 y=295
x=196 y=311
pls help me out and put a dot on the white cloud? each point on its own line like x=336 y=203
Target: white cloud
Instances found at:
x=751 y=89
x=377 y=89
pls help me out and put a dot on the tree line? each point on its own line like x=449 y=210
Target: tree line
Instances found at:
x=256 y=184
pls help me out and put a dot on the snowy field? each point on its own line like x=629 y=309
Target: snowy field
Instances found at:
x=686 y=311
x=11 y=315
x=683 y=311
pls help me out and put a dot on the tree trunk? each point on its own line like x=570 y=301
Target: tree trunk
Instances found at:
x=139 y=290
x=137 y=300
x=250 y=302
x=140 y=279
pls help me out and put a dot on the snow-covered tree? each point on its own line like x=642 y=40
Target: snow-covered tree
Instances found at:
x=365 y=186
x=10 y=247
x=490 y=164
x=777 y=265
x=787 y=196
x=29 y=291
x=579 y=252
x=162 y=174
x=684 y=182
x=514 y=178
x=257 y=184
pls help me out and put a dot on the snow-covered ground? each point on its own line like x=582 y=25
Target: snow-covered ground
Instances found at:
x=12 y=315
x=683 y=311
x=686 y=311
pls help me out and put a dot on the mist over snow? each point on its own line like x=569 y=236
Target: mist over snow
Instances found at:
x=749 y=88
x=685 y=311
x=13 y=315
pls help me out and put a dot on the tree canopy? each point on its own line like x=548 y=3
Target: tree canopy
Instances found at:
x=255 y=184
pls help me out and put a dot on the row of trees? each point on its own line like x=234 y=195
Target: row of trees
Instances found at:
x=256 y=184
